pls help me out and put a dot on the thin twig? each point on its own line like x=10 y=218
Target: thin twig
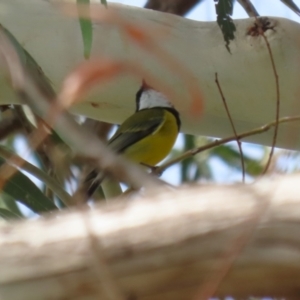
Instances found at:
x=261 y=31
x=292 y=5
x=232 y=126
x=249 y=8
x=216 y=143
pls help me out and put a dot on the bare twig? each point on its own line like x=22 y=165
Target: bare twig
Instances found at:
x=261 y=32
x=216 y=143
x=249 y=8
x=292 y=5
x=232 y=126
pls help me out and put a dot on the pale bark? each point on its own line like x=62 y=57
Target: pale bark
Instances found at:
x=171 y=245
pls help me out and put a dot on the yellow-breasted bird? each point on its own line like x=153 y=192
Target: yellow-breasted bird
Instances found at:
x=147 y=136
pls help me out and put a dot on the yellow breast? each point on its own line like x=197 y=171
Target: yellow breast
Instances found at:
x=155 y=147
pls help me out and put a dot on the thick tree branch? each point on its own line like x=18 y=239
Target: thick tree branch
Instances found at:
x=166 y=246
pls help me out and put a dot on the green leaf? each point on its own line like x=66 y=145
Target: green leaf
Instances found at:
x=203 y=170
x=232 y=157
x=104 y=2
x=16 y=45
x=224 y=9
x=30 y=64
x=11 y=204
x=189 y=143
x=8 y=215
x=22 y=189
x=86 y=30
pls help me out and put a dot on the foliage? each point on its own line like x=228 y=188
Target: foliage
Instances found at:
x=224 y=10
x=86 y=29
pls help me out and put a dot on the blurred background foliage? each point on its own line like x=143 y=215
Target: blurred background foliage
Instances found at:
x=50 y=174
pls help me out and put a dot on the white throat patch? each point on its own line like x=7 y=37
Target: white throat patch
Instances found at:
x=151 y=98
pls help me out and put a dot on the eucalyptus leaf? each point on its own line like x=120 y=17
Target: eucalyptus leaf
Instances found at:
x=11 y=204
x=224 y=10
x=189 y=143
x=232 y=158
x=104 y=2
x=22 y=189
x=86 y=30
x=30 y=64
x=7 y=214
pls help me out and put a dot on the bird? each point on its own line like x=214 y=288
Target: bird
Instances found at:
x=146 y=137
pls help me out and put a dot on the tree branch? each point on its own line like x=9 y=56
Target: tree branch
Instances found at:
x=165 y=246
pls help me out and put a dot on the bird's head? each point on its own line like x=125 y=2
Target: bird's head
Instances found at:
x=147 y=97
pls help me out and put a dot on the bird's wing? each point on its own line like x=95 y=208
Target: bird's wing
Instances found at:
x=131 y=131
